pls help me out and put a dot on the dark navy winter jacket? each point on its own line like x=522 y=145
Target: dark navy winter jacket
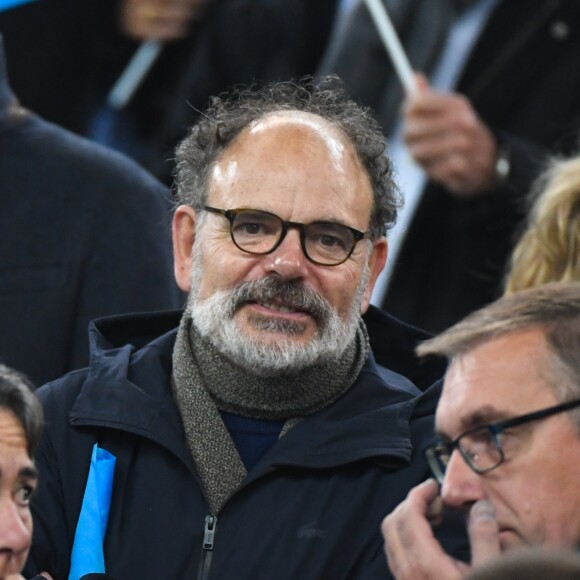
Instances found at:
x=310 y=509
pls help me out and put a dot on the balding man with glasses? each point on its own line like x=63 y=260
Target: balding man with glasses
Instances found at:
x=266 y=431
x=509 y=427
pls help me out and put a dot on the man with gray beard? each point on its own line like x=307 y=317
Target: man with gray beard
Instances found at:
x=267 y=430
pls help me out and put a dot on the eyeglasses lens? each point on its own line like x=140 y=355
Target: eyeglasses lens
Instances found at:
x=255 y=231
x=328 y=243
x=480 y=449
x=325 y=243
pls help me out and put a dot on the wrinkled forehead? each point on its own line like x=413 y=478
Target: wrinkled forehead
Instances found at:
x=12 y=434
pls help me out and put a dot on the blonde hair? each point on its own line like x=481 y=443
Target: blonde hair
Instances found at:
x=549 y=249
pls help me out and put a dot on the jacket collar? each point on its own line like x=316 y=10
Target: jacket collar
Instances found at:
x=127 y=388
x=128 y=382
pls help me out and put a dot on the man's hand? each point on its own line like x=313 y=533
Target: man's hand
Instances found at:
x=446 y=137
x=483 y=533
x=413 y=552
x=159 y=19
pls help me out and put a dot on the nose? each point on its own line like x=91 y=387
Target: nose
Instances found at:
x=461 y=485
x=288 y=259
x=15 y=530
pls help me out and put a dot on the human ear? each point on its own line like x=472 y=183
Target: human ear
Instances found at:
x=183 y=233
x=377 y=261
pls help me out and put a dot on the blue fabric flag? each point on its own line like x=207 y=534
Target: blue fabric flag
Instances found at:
x=6 y=4
x=87 y=553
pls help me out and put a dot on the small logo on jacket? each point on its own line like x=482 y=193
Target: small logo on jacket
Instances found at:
x=310 y=531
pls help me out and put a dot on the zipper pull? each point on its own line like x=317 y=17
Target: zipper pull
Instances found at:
x=209 y=532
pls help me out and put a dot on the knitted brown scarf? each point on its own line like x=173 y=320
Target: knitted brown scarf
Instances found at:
x=204 y=382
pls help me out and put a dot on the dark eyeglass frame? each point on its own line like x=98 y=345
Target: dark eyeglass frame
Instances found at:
x=433 y=452
x=231 y=214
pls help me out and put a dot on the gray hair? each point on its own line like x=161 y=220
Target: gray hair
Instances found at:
x=230 y=113
x=17 y=396
x=554 y=308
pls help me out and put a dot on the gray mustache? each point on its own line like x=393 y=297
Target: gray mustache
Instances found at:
x=292 y=294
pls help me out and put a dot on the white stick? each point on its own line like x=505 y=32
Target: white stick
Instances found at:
x=134 y=74
x=392 y=44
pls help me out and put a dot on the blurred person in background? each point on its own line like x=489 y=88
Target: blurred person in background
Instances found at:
x=549 y=247
x=20 y=427
x=208 y=46
x=164 y=20
x=498 y=95
x=68 y=54
x=85 y=233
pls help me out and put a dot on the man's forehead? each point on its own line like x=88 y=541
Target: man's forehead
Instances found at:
x=290 y=118
x=287 y=155
x=301 y=125
x=12 y=432
x=14 y=458
x=461 y=406
x=500 y=378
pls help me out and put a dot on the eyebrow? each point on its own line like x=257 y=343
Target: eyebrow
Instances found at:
x=486 y=415
x=27 y=472
x=331 y=220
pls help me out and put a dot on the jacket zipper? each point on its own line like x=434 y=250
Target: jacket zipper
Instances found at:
x=207 y=547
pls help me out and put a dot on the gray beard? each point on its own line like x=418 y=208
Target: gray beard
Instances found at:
x=214 y=319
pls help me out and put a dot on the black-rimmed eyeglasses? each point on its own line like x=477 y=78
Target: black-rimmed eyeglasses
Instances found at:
x=260 y=232
x=481 y=447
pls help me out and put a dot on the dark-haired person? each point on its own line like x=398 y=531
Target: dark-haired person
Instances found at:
x=509 y=423
x=20 y=427
x=266 y=431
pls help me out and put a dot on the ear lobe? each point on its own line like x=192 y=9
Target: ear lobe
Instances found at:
x=183 y=233
x=377 y=261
